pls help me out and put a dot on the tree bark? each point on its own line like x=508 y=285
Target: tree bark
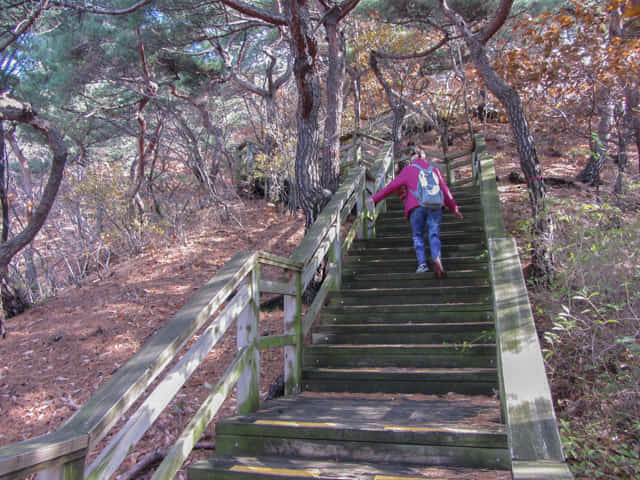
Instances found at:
x=335 y=86
x=591 y=173
x=333 y=14
x=542 y=259
x=304 y=50
x=397 y=107
x=305 y=71
x=15 y=111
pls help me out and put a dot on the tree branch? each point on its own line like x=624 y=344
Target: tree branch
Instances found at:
x=24 y=25
x=15 y=111
x=255 y=12
x=411 y=56
x=98 y=11
x=497 y=22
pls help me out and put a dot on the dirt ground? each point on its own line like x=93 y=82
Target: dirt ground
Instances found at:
x=57 y=354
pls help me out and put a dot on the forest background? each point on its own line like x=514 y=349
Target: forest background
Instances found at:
x=146 y=142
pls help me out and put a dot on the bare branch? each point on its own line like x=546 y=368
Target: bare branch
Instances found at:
x=23 y=26
x=15 y=111
x=414 y=55
x=255 y=12
x=98 y=11
x=498 y=21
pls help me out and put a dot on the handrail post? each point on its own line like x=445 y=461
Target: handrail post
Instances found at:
x=335 y=256
x=293 y=326
x=73 y=470
x=248 y=335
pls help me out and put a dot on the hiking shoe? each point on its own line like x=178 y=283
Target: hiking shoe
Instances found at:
x=422 y=268
x=437 y=267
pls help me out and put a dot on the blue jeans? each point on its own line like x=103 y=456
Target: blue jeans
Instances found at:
x=419 y=217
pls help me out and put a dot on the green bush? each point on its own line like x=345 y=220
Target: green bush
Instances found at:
x=592 y=349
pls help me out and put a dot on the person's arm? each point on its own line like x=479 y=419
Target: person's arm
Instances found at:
x=391 y=187
x=449 y=201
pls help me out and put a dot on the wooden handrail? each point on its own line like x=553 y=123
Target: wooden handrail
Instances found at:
x=235 y=286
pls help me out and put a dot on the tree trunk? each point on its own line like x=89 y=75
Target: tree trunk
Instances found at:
x=305 y=70
x=15 y=111
x=632 y=101
x=543 y=232
x=591 y=173
x=397 y=107
x=335 y=103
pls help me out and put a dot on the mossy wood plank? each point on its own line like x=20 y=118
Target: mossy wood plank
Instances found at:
x=408 y=336
x=388 y=359
x=461 y=163
x=287 y=468
x=533 y=432
x=454 y=435
x=494 y=222
x=275 y=341
x=318 y=303
x=383 y=244
x=281 y=288
x=184 y=444
x=371 y=137
x=462 y=181
x=424 y=386
x=418 y=317
x=540 y=470
x=20 y=459
x=323 y=224
x=355 y=281
x=293 y=327
x=110 y=458
x=375 y=414
x=426 y=309
x=368 y=452
x=312 y=266
x=248 y=335
x=108 y=404
x=278 y=261
x=437 y=289
x=352 y=235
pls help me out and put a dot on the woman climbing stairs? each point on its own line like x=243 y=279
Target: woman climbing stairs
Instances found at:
x=400 y=374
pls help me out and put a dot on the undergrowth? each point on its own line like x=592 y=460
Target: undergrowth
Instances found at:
x=590 y=327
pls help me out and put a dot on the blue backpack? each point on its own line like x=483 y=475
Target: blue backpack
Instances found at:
x=428 y=193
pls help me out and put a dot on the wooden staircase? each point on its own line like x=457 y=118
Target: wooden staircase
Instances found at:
x=400 y=374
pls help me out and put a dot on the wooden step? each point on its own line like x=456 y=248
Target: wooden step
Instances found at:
x=404 y=333
x=457 y=233
x=288 y=468
x=404 y=314
x=414 y=280
x=396 y=217
x=410 y=296
x=394 y=248
x=400 y=356
x=431 y=431
x=468 y=381
x=407 y=265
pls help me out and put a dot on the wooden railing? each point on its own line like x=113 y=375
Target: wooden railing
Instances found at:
x=527 y=407
x=232 y=295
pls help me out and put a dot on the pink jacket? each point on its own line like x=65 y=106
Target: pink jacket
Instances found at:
x=408 y=177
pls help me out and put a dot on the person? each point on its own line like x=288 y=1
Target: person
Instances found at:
x=406 y=184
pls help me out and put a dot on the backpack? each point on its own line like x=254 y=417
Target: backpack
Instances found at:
x=428 y=192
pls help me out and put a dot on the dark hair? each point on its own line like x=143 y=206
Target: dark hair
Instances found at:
x=417 y=151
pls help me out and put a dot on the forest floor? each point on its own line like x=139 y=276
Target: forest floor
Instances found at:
x=58 y=353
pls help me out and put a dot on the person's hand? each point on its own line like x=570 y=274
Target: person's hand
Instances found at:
x=458 y=214
x=370 y=201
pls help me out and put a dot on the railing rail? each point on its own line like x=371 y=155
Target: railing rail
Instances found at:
x=232 y=295
x=527 y=406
